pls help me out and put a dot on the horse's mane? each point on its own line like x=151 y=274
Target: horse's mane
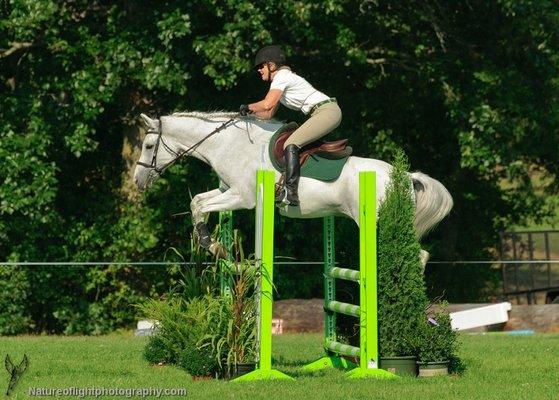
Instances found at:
x=210 y=116
x=206 y=115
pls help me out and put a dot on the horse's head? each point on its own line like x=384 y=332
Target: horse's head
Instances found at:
x=172 y=137
x=155 y=157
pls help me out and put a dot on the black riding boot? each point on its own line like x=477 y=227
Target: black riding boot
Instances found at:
x=288 y=194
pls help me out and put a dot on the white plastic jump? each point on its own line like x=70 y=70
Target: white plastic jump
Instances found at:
x=481 y=316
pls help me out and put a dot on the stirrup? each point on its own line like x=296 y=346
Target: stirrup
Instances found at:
x=280 y=195
x=283 y=197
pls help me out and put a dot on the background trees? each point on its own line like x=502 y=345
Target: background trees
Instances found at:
x=468 y=89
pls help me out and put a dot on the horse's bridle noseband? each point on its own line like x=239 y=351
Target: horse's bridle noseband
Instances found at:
x=178 y=155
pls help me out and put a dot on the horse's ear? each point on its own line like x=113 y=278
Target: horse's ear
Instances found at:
x=147 y=121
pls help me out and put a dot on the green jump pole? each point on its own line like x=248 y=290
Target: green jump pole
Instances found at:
x=264 y=249
x=226 y=238
x=331 y=358
x=367 y=279
x=368 y=320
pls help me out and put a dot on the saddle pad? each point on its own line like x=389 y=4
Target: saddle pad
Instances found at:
x=316 y=167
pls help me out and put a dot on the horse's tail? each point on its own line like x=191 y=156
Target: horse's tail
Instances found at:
x=432 y=202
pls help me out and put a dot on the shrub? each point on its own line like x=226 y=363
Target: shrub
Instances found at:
x=233 y=337
x=14 y=301
x=437 y=341
x=402 y=298
x=197 y=362
x=199 y=322
x=182 y=324
x=157 y=352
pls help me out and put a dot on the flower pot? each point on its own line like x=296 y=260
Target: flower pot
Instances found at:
x=240 y=369
x=402 y=366
x=429 y=369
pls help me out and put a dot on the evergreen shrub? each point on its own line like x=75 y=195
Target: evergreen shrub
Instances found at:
x=436 y=340
x=404 y=328
x=402 y=299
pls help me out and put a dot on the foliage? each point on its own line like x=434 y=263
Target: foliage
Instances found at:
x=197 y=362
x=468 y=89
x=182 y=323
x=156 y=352
x=402 y=297
x=437 y=341
x=14 y=289
x=234 y=339
x=73 y=299
x=201 y=277
x=203 y=329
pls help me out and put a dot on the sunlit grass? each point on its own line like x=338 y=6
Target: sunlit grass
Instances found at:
x=499 y=367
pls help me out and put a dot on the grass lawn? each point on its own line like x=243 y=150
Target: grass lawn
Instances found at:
x=499 y=367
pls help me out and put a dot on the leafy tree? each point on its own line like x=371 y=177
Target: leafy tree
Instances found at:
x=468 y=90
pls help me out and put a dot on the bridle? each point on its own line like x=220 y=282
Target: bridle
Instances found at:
x=180 y=154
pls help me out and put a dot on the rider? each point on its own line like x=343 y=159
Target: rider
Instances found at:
x=295 y=93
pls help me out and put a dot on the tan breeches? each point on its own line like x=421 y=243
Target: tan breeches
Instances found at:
x=322 y=121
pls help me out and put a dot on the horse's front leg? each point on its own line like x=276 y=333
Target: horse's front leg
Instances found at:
x=223 y=201
x=199 y=217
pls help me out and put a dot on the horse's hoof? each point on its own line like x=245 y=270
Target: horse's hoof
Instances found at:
x=218 y=250
x=203 y=235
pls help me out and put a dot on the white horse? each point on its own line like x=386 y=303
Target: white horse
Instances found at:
x=236 y=147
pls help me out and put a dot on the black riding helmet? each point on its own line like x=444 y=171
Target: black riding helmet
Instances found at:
x=269 y=54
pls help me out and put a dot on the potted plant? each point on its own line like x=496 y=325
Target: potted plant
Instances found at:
x=401 y=288
x=437 y=344
x=197 y=362
x=182 y=325
x=234 y=338
x=203 y=329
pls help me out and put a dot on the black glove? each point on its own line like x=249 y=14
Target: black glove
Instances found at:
x=244 y=110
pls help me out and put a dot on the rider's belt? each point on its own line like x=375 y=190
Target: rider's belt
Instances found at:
x=321 y=103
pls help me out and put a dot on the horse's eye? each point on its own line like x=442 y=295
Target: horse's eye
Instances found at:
x=149 y=146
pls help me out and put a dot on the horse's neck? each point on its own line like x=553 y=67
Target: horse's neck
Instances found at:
x=236 y=149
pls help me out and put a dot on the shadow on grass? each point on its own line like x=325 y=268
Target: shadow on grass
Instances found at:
x=281 y=360
x=295 y=369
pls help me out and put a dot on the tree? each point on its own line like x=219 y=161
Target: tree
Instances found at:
x=467 y=89
x=402 y=300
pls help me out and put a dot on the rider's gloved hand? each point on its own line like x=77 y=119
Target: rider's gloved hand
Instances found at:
x=244 y=110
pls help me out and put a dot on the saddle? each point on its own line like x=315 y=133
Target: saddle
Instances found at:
x=331 y=150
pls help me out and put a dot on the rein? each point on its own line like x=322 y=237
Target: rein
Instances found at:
x=180 y=154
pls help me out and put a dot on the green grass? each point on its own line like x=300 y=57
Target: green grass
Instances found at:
x=499 y=367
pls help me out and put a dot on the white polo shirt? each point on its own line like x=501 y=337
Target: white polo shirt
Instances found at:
x=298 y=94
